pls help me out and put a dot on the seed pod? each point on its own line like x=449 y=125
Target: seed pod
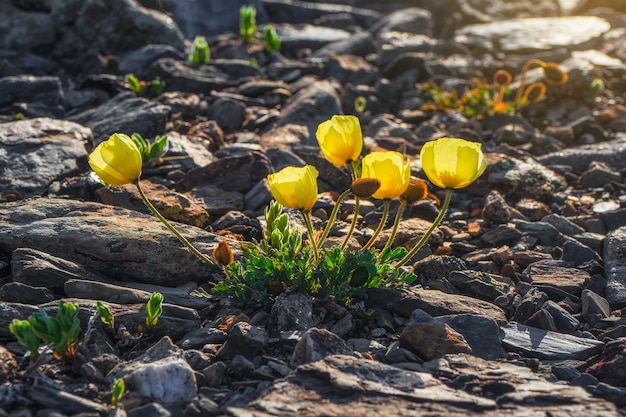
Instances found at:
x=222 y=253
x=364 y=187
x=416 y=191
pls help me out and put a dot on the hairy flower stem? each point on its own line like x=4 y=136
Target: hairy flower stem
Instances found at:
x=167 y=224
x=396 y=223
x=331 y=219
x=522 y=82
x=442 y=212
x=309 y=229
x=381 y=225
x=357 y=204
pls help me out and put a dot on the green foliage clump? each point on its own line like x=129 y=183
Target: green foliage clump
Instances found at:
x=59 y=332
x=200 y=52
x=119 y=388
x=150 y=151
x=247 y=23
x=23 y=332
x=105 y=315
x=280 y=262
x=154 y=308
x=143 y=88
x=271 y=39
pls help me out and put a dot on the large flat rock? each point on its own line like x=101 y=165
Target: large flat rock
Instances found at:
x=123 y=244
x=535 y=34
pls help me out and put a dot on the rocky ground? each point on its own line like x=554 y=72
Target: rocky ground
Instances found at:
x=518 y=303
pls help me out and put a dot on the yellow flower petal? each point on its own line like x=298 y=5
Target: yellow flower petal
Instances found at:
x=452 y=162
x=117 y=161
x=391 y=169
x=295 y=187
x=340 y=139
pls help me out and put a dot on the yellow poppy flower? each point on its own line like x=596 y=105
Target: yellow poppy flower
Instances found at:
x=295 y=187
x=340 y=139
x=391 y=169
x=117 y=161
x=452 y=162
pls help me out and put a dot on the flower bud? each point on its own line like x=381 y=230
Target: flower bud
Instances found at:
x=364 y=187
x=416 y=191
x=222 y=253
x=553 y=74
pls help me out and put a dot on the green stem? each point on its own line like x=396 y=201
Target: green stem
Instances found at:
x=396 y=223
x=309 y=228
x=442 y=212
x=331 y=219
x=167 y=224
x=381 y=225
x=357 y=203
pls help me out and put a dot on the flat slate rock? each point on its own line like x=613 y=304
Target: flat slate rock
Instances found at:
x=615 y=266
x=544 y=344
x=535 y=34
x=128 y=245
x=35 y=152
x=342 y=385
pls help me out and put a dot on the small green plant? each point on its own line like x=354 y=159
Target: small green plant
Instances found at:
x=484 y=99
x=23 y=332
x=105 y=315
x=280 y=262
x=140 y=87
x=150 y=151
x=154 y=308
x=60 y=332
x=597 y=87
x=271 y=39
x=200 y=52
x=247 y=23
x=118 y=392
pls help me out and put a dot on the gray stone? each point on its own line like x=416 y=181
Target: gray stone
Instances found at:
x=316 y=344
x=552 y=274
x=528 y=304
x=545 y=233
x=377 y=389
x=96 y=236
x=311 y=106
x=557 y=319
x=93 y=290
x=294 y=38
x=57 y=146
x=124 y=113
x=523 y=178
x=200 y=337
x=481 y=284
x=563 y=224
x=410 y=20
x=69 y=27
x=615 y=267
x=576 y=253
x=39 y=269
x=217 y=201
x=481 y=333
x=612 y=152
x=358 y=44
x=16 y=292
x=599 y=175
x=229 y=114
x=533 y=35
x=544 y=344
x=232 y=173
x=292 y=311
x=434 y=302
x=594 y=304
x=167 y=380
x=243 y=339
x=495 y=209
x=27 y=89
